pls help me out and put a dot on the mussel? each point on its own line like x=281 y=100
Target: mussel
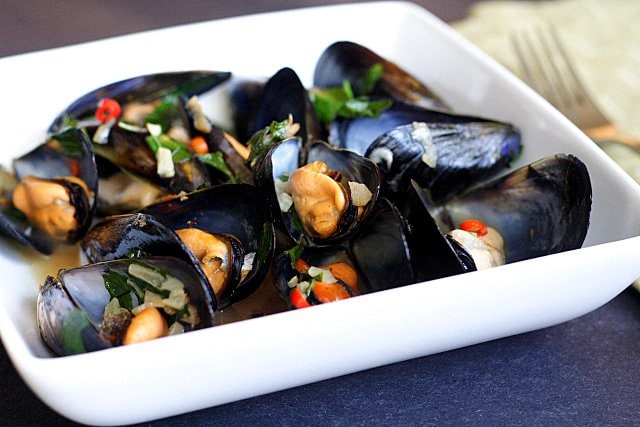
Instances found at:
x=358 y=133
x=234 y=218
x=539 y=209
x=315 y=276
x=53 y=199
x=322 y=201
x=141 y=89
x=124 y=301
x=349 y=61
x=445 y=157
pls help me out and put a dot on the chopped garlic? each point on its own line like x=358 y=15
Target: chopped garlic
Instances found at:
x=147 y=274
x=284 y=197
x=421 y=133
x=154 y=129
x=165 y=167
x=327 y=277
x=200 y=120
x=360 y=194
x=247 y=263
x=293 y=282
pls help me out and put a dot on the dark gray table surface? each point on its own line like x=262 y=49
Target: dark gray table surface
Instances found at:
x=583 y=372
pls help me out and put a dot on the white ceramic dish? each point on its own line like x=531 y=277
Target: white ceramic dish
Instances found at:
x=253 y=357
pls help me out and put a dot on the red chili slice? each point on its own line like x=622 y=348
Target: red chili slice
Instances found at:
x=474 y=226
x=297 y=299
x=108 y=109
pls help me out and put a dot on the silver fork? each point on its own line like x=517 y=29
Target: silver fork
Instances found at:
x=547 y=69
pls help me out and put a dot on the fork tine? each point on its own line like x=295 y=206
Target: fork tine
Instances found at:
x=539 y=66
x=547 y=68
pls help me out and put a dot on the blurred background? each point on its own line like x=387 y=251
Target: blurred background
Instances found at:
x=27 y=26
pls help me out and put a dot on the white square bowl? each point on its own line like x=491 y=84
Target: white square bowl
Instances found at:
x=248 y=358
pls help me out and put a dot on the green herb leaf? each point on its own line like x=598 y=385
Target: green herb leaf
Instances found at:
x=216 y=160
x=118 y=287
x=166 y=113
x=295 y=253
x=70 y=143
x=262 y=140
x=374 y=73
x=330 y=103
x=75 y=321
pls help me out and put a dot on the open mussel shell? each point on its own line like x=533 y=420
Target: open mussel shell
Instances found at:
x=62 y=160
x=127 y=148
x=145 y=88
x=238 y=210
x=70 y=307
x=539 y=209
x=444 y=157
x=281 y=160
x=283 y=269
x=345 y=60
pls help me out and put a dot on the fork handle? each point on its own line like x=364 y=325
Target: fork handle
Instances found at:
x=610 y=132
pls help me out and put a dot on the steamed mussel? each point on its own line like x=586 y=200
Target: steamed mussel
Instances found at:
x=52 y=198
x=153 y=129
x=321 y=201
x=118 y=302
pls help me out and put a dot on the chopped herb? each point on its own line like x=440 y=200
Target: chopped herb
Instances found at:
x=295 y=253
x=143 y=285
x=262 y=140
x=179 y=152
x=166 y=113
x=68 y=121
x=216 y=160
x=374 y=73
x=265 y=243
x=341 y=101
x=118 y=287
x=70 y=143
x=296 y=223
x=73 y=325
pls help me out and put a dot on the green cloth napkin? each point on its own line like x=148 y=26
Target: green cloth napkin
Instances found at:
x=601 y=36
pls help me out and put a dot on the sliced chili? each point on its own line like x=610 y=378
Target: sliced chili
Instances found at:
x=108 y=109
x=474 y=226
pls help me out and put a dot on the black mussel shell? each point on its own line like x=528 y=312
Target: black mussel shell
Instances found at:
x=239 y=210
x=539 y=209
x=381 y=249
x=444 y=157
x=144 y=88
x=244 y=101
x=282 y=159
x=350 y=61
x=358 y=133
x=284 y=95
x=127 y=148
x=67 y=153
x=433 y=255
x=70 y=307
